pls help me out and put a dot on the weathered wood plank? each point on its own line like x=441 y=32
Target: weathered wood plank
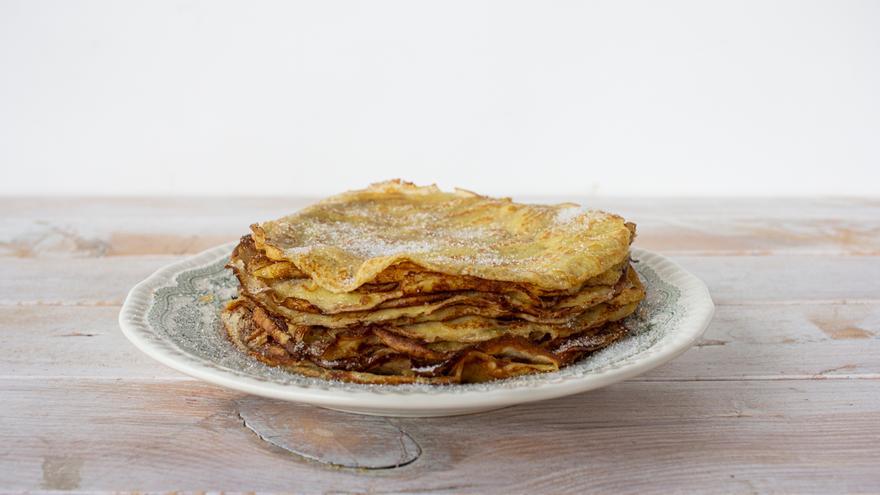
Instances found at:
x=743 y=342
x=636 y=437
x=731 y=279
x=765 y=279
x=87 y=281
x=44 y=342
x=109 y=227
x=768 y=342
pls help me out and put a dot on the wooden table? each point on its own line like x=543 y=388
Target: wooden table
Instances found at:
x=782 y=394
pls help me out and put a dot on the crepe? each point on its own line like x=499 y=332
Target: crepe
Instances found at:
x=345 y=241
x=398 y=283
x=501 y=357
x=400 y=303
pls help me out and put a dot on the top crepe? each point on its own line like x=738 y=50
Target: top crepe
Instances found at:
x=347 y=240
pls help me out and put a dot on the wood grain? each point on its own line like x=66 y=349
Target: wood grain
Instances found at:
x=782 y=395
x=82 y=282
x=635 y=437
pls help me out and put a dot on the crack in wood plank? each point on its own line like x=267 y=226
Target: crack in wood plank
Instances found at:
x=825 y=372
x=355 y=442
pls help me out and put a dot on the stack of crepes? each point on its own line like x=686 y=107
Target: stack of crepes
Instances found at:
x=398 y=283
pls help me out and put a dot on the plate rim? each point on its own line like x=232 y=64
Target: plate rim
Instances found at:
x=134 y=325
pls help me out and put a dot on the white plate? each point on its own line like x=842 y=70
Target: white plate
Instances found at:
x=172 y=316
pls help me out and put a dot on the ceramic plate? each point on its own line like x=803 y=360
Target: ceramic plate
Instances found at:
x=173 y=317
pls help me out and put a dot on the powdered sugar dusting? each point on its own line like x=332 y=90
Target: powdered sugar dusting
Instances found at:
x=566 y=215
x=429 y=368
x=365 y=240
x=583 y=341
x=491 y=238
x=298 y=250
x=475 y=245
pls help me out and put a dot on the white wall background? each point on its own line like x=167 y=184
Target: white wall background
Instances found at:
x=537 y=97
